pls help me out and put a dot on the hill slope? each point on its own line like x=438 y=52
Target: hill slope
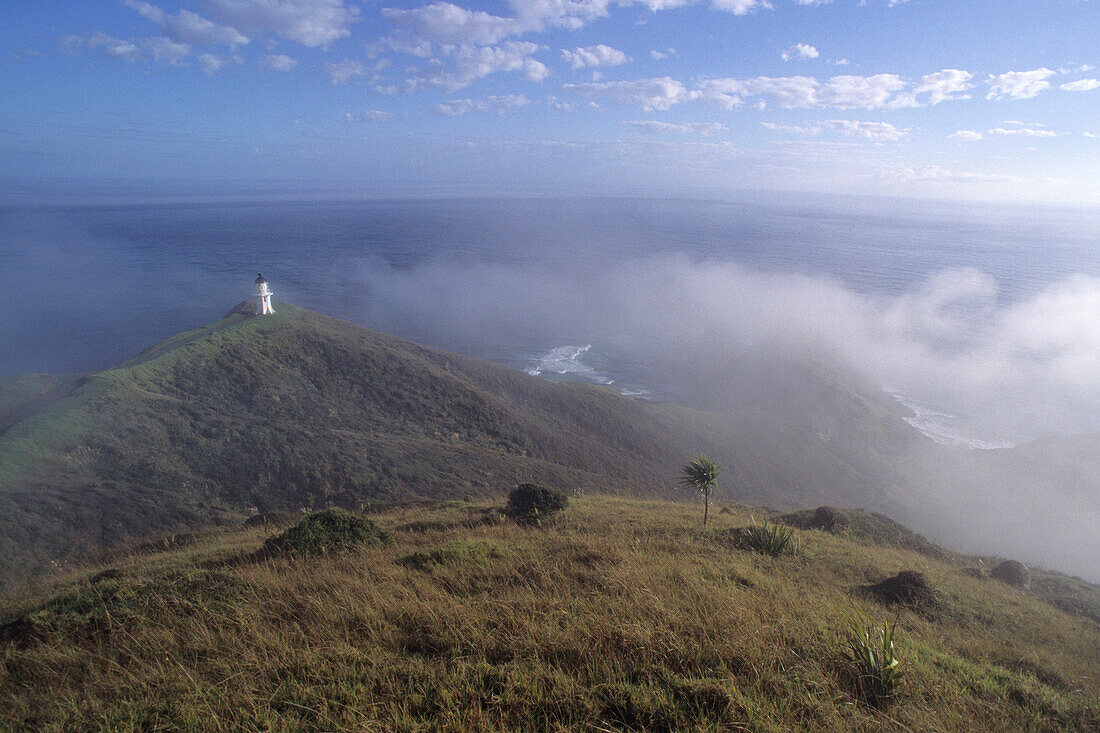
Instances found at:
x=625 y=615
x=300 y=410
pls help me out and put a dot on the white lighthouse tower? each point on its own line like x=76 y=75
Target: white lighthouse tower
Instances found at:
x=263 y=296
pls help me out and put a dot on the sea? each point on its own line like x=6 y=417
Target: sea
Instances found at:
x=563 y=288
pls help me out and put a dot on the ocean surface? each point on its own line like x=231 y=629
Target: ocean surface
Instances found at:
x=83 y=287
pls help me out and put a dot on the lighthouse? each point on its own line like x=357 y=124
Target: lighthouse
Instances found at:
x=263 y=296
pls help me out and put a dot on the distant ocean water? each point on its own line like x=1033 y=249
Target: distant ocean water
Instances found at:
x=84 y=287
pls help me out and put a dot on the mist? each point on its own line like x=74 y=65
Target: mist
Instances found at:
x=977 y=333
x=1014 y=371
x=973 y=371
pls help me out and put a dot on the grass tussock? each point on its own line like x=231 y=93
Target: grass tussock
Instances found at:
x=321 y=533
x=622 y=616
x=769 y=539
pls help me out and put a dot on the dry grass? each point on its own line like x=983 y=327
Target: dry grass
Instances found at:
x=623 y=615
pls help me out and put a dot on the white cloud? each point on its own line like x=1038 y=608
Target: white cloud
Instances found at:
x=277 y=62
x=789 y=92
x=1081 y=85
x=111 y=46
x=658 y=55
x=342 y=72
x=724 y=93
x=591 y=56
x=740 y=7
x=656 y=127
x=873 y=131
x=448 y=23
x=939 y=173
x=534 y=70
x=501 y=105
x=650 y=94
x=308 y=22
x=402 y=41
x=1022 y=132
x=211 y=63
x=1018 y=84
x=786 y=91
x=935 y=88
x=570 y=14
x=879 y=91
x=188 y=27
x=166 y=51
x=1075 y=69
x=969 y=135
x=370 y=115
x=800 y=51
x=866 y=92
x=795 y=129
x=460 y=66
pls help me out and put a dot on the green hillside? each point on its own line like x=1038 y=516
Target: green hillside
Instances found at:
x=620 y=615
x=300 y=410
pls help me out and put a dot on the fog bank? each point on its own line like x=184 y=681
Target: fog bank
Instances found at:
x=983 y=371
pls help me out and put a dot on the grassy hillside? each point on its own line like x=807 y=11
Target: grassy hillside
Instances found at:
x=17 y=390
x=300 y=410
x=623 y=615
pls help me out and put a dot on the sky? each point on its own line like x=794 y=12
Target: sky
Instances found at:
x=948 y=99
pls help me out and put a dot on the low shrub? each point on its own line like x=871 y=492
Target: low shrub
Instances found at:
x=1012 y=572
x=907 y=588
x=829 y=519
x=869 y=526
x=769 y=539
x=534 y=504
x=872 y=661
x=322 y=533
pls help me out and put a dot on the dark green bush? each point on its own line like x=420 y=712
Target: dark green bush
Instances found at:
x=1012 y=572
x=907 y=588
x=333 y=530
x=534 y=504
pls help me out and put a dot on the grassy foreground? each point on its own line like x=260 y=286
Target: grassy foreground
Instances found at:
x=621 y=615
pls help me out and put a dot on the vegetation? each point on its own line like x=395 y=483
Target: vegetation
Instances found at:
x=533 y=504
x=297 y=411
x=701 y=474
x=333 y=530
x=908 y=588
x=627 y=617
x=869 y=526
x=1012 y=572
x=874 y=665
x=274 y=518
x=769 y=539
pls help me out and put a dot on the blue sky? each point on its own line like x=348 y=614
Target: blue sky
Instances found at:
x=928 y=98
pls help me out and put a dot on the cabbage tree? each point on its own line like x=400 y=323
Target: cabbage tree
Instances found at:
x=701 y=474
